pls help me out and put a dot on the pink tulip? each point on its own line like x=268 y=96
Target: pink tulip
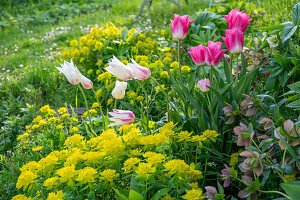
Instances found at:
x=234 y=40
x=73 y=75
x=203 y=83
x=139 y=72
x=214 y=54
x=180 y=26
x=121 y=117
x=198 y=54
x=237 y=20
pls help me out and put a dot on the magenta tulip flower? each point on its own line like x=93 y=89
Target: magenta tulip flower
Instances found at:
x=237 y=19
x=121 y=117
x=180 y=26
x=198 y=54
x=139 y=72
x=214 y=54
x=234 y=40
x=203 y=83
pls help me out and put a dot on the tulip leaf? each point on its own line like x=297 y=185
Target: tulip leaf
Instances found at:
x=227 y=70
x=124 y=34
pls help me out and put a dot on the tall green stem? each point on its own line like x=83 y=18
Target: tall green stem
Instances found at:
x=147 y=102
x=87 y=109
x=237 y=69
x=100 y=107
x=215 y=126
x=166 y=95
x=178 y=46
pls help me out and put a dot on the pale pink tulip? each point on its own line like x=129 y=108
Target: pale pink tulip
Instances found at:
x=237 y=19
x=180 y=26
x=121 y=117
x=203 y=83
x=139 y=72
x=119 y=90
x=73 y=75
x=234 y=40
x=117 y=68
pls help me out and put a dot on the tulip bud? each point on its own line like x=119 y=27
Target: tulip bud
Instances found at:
x=119 y=90
x=203 y=83
x=121 y=117
x=139 y=72
x=117 y=68
x=180 y=26
x=234 y=41
x=198 y=54
x=237 y=20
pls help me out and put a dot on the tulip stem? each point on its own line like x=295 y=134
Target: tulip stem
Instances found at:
x=178 y=49
x=147 y=103
x=215 y=126
x=166 y=95
x=100 y=107
x=237 y=69
x=87 y=109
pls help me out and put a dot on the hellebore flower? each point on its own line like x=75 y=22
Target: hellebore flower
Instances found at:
x=117 y=68
x=139 y=72
x=244 y=137
x=234 y=40
x=226 y=176
x=247 y=106
x=119 y=90
x=237 y=19
x=214 y=54
x=180 y=26
x=121 y=117
x=290 y=136
x=252 y=162
x=203 y=83
x=267 y=121
x=73 y=75
x=273 y=41
x=228 y=112
x=211 y=191
x=198 y=54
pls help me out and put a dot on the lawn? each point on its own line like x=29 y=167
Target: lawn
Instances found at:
x=101 y=99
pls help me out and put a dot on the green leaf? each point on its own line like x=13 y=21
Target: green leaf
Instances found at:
x=160 y=193
x=287 y=33
x=91 y=195
x=296 y=13
x=118 y=193
x=220 y=188
x=124 y=34
x=133 y=195
x=227 y=70
x=292 y=189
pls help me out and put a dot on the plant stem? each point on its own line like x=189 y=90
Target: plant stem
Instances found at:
x=179 y=60
x=166 y=95
x=237 y=69
x=87 y=108
x=205 y=168
x=211 y=113
x=277 y=192
x=147 y=103
x=100 y=107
